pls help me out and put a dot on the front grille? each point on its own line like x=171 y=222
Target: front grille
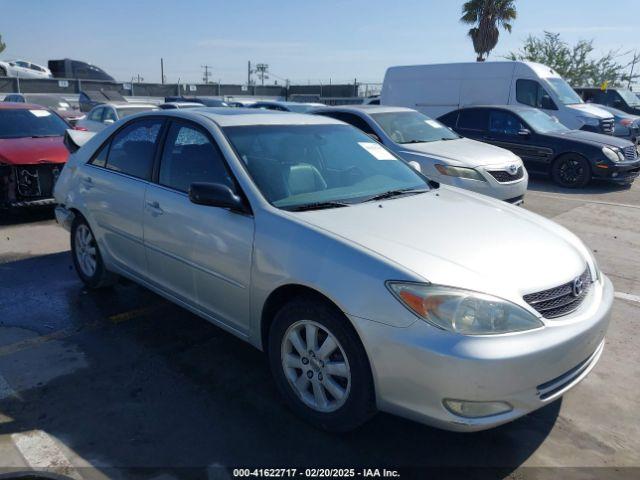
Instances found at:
x=630 y=153
x=37 y=181
x=607 y=126
x=561 y=300
x=503 y=176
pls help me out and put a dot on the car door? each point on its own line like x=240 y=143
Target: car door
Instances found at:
x=113 y=185
x=507 y=130
x=199 y=254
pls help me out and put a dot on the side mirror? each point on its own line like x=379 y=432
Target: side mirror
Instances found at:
x=108 y=121
x=375 y=137
x=415 y=165
x=216 y=195
x=524 y=133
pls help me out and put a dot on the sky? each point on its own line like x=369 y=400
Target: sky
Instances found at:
x=303 y=41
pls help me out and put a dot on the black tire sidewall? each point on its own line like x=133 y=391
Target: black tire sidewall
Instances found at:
x=555 y=171
x=360 y=405
x=99 y=277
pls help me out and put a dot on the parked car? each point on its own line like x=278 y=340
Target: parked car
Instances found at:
x=69 y=68
x=56 y=103
x=109 y=113
x=571 y=157
x=627 y=125
x=442 y=155
x=372 y=100
x=359 y=277
x=438 y=89
x=286 y=106
x=32 y=154
x=177 y=105
x=620 y=98
x=23 y=69
x=91 y=98
x=206 y=101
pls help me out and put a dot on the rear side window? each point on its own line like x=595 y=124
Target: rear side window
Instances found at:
x=473 y=119
x=351 y=119
x=133 y=148
x=100 y=158
x=188 y=157
x=96 y=115
x=450 y=119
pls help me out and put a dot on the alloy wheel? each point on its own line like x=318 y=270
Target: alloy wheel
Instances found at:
x=85 y=248
x=316 y=366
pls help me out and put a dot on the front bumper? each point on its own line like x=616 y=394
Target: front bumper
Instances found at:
x=623 y=172
x=417 y=367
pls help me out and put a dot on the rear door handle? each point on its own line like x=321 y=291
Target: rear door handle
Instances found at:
x=88 y=182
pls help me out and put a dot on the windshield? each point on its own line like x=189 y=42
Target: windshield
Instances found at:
x=296 y=165
x=541 y=122
x=564 y=92
x=412 y=127
x=49 y=102
x=31 y=123
x=125 y=112
x=630 y=97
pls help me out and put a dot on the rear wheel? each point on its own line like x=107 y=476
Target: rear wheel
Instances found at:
x=86 y=256
x=3 y=72
x=320 y=366
x=571 y=171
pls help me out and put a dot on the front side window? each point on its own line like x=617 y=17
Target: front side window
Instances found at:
x=412 y=127
x=31 y=123
x=109 y=114
x=299 y=165
x=96 y=114
x=189 y=157
x=529 y=92
x=133 y=148
x=504 y=123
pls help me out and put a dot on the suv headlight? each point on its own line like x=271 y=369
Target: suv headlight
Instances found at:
x=461 y=172
x=463 y=311
x=613 y=154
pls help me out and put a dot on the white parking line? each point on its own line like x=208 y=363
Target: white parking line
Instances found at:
x=581 y=200
x=41 y=452
x=5 y=389
x=628 y=296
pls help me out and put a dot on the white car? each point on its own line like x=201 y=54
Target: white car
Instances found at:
x=107 y=114
x=23 y=69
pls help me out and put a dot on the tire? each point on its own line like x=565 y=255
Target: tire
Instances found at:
x=571 y=171
x=86 y=256
x=3 y=72
x=344 y=375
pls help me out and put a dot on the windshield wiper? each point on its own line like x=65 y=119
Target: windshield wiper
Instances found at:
x=44 y=136
x=396 y=193
x=414 y=141
x=316 y=206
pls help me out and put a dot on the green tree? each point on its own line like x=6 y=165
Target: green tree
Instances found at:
x=576 y=63
x=487 y=16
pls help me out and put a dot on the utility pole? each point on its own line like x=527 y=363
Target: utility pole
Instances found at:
x=249 y=73
x=207 y=73
x=262 y=69
x=162 y=70
x=636 y=59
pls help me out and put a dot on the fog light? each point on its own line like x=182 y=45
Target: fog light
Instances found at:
x=476 y=409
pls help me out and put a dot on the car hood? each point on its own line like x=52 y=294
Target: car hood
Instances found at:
x=29 y=151
x=463 y=151
x=591 y=110
x=454 y=237
x=595 y=139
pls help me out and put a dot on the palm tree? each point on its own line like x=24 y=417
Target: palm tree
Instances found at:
x=487 y=16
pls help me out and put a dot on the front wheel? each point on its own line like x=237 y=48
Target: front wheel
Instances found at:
x=571 y=171
x=320 y=366
x=86 y=256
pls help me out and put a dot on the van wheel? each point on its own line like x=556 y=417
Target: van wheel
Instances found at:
x=86 y=256
x=3 y=72
x=571 y=171
x=320 y=366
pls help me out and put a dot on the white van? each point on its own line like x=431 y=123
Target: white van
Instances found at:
x=438 y=89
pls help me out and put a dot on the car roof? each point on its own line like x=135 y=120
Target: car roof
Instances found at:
x=126 y=105
x=20 y=106
x=365 y=109
x=513 y=108
x=282 y=102
x=231 y=117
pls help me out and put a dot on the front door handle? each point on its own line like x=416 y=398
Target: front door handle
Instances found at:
x=88 y=182
x=155 y=208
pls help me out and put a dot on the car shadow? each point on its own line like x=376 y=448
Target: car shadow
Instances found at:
x=28 y=215
x=138 y=386
x=541 y=183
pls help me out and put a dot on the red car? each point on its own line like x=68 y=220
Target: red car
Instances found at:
x=32 y=154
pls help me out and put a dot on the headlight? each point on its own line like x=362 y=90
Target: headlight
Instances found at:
x=591 y=121
x=612 y=154
x=462 y=172
x=463 y=311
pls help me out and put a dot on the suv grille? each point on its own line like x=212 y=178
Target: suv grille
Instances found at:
x=561 y=300
x=607 y=126
x=503 y=176
x=630 y=153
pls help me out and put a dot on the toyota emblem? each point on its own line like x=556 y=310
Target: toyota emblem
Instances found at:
x=512 y=169
x=578 y=287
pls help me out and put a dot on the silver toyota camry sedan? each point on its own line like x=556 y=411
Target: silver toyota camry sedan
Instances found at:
x=369 y=286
